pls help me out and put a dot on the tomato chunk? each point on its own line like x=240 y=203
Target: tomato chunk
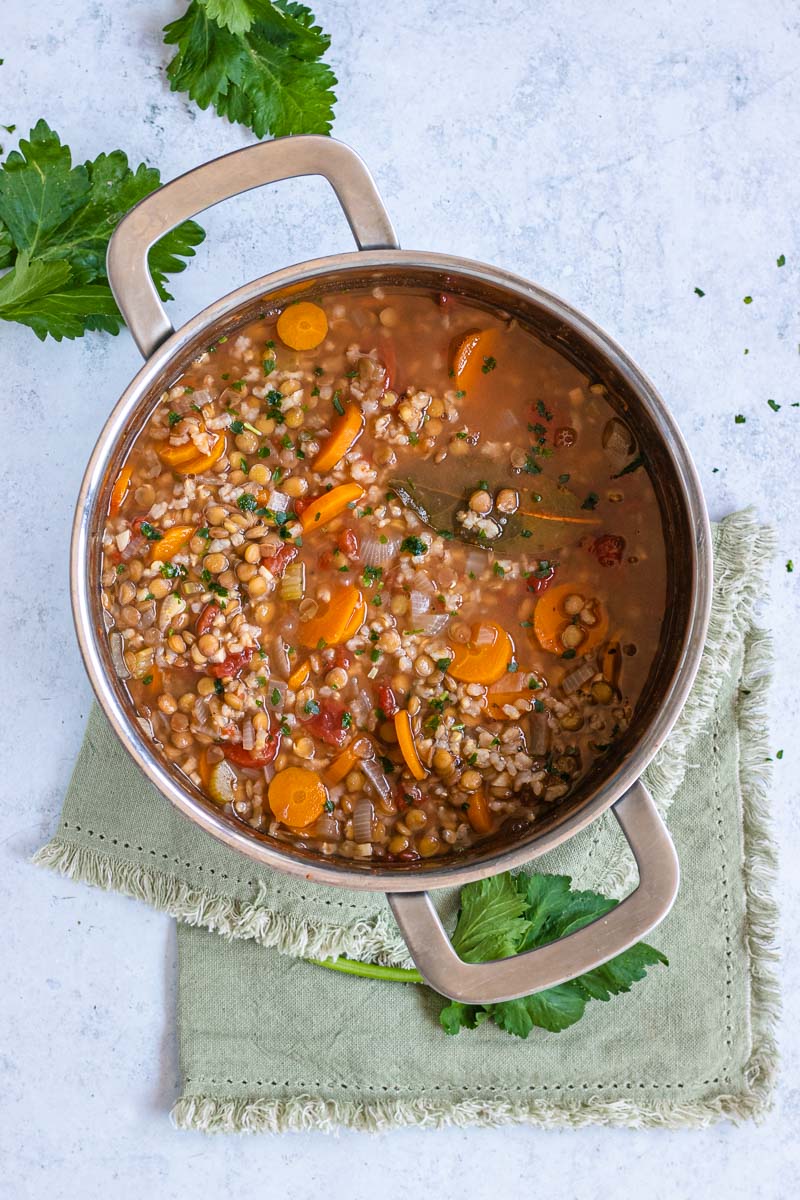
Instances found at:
x=277 y=563
x=608 y=549
x=540 y=581
x=206 y=619
x=387 y=701
x=255 y=758
x=231 y=665
x=327 y=725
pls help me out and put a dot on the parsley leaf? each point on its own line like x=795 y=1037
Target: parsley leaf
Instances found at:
x=523 y=912
x=256 y=62
x=55 y=223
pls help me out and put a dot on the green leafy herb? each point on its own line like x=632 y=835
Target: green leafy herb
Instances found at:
x=789 y=565
x=739 y=419
x=779 y=755
x=347 y=720
x=507 y=915
x=699 y=292
x=151 y=533
x=237 y=426
x=774 y=405
x=247 y=502
x=591 y=501
x=311 y=707
x=414 y=546
x=781 y=260
x=442 y=664
x=630 y=467
x=748 y=300
x=257 y=62
x=171 y=570
x=489 y=364
x=337 y=404
x=55 y=223
x=174 y=418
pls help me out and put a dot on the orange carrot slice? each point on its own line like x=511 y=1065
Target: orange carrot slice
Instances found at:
x=470 y=354
x=335 y=621
x=478 y=813
x=299 y=675
x=302 y=326
x=345 y=432
x=485 y=657
x=408 y=747
x=173 y=541
x=187 y=460
x=120 y=491
x=342 y=765
x=550 y=620
x=297 y=796
x=322 y=510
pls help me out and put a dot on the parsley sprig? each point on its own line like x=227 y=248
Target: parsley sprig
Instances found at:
x=506 y=915
x=56 y=220
x=257 y=62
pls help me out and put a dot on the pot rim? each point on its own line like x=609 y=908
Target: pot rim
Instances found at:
x=336 y=873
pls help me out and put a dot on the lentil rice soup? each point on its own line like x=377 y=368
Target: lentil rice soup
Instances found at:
x=384 y=577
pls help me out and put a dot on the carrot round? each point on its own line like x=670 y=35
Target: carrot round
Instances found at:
x=496 y=701
x=469 y=354
x=550 y=620
x=485 y=657
x=345 y=432
x=329 y=505
x=302 y=326
x=478 y=813
x=335 y=620
x=408 y=747
x=173 y=541
x=120 y=491
x=297 y=796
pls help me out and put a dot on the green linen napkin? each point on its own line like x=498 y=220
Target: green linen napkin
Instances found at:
x=271 y=1042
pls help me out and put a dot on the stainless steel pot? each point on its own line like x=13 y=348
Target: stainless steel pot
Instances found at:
x=615 y=782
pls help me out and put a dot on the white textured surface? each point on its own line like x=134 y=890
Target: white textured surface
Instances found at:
x=619 y=154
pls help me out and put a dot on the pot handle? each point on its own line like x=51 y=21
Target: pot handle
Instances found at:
x=220 y=179
x=587 y=948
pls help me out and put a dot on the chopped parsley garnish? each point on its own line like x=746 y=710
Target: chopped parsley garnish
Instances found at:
x=489 y=363
x=781 y=260
x=374 y=654
x=337 y=404
x=774 y=405
x=789 y=565
x=247 y=502
x=748 y=300
x=237 y=426
x=442 y=664
x=591 y=501
x=148 y=679
x=347 y=720
x=632 y=466
x=264 y=452
x=568 y=654
x=239 y=386
x=203 y=533
x=311 y=707
x=150 y=533
x=275 y=696
x=218 y=688
x=499 y=571
x=414 y=546
x=173 y=418
x=269 y=366
x=531 y=466
x=563 y=478
x=739 y=419
x=413 y=439
x=699 y=292
x=171 y=570
x=319 y=370
x=542 y=410
x=372 y=575
x=462 y=434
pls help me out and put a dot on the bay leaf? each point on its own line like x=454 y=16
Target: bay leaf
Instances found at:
x=549 y=514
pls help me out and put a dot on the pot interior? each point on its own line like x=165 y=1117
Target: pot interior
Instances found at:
x=627 y=391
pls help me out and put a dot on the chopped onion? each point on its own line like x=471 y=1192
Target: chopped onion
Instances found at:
x=476 y=562
x=540 y=734
x=117 y=646
x=248 y=734
x=376 y=553
x=277 y=685
x=377 y=777
x=279 y=502
x=269 y=771
x=362 y=821
x=420 y=603
x=327 y=828
x=431 y=623
x=282 y=663
x=584 y=671
x=200 y=712
x=423 y=583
